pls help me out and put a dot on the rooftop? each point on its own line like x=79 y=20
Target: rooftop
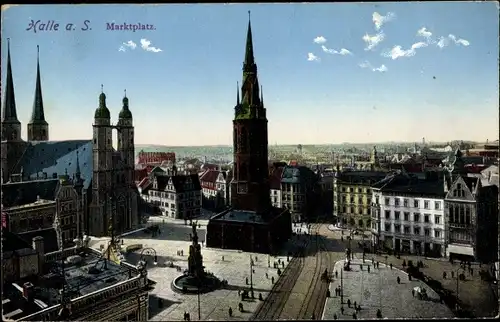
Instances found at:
x=28 y=192
x=80 y=274
x=245 y=216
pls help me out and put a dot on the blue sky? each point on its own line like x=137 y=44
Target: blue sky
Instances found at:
x=185 y=93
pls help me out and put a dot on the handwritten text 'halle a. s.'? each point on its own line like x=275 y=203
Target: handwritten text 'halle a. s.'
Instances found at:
x=52 y=25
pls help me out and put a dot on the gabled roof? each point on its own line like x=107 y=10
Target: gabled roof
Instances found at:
x=178 y=182
x=57 y=157
x=50 y=243
x=210 y=176
x=22 y=193
x=209 y=166
x=409 y=185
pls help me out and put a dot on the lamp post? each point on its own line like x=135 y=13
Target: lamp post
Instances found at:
x=342 y=286
x=251 y=276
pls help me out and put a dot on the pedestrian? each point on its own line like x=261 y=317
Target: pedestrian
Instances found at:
x=390 y=265
x=342 y=310
x=335 y=316
x=398 y=280
x=272 y=279
x=336 y=291
x=355 y=304
x=444 y=275
x=471 y=272
x=354 y=317
x=368 y=268
x=336 y=274
x=378 y=264
x=267 y=275
x=222 y=258
x=413 y=293
x=230 y=311
x=188 y=316
x=349 y=303
x=452 y=274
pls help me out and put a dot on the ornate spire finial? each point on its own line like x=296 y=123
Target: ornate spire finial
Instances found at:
x=125 y=91
x=102 y=88
x=77 y=165
x=37 y=51
x=248 y=15
x=8 y=43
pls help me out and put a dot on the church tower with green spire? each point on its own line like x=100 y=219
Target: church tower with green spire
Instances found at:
x=38 y=128
x=12 y=145
x=250 y=184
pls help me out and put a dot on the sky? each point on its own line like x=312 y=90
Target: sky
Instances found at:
x=331 y=73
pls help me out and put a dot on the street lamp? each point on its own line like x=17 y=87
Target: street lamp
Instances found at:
x=251 y=276
x=151 y=252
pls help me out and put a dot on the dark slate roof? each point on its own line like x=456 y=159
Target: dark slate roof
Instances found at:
x=22 y=193
x=471 y=183
x=408 y=185
x=473 y=160
x=57 y=157
x=178 y=182
x=49 y=238
x=297 y=174
x=361 y=177
x=12 y=242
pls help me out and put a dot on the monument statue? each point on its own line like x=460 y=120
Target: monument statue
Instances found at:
x=195 y=259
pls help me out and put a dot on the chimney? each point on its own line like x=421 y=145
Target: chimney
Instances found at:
x=28 y=291
x=44 y=175
x=38 y=246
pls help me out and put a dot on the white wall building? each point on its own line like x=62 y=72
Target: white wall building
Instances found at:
x=177 y=196
x=409 y=215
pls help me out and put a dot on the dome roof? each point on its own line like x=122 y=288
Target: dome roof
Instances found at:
x=102 y=111
x=125 y=112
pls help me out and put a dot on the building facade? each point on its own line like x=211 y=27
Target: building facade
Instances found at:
x=215 y=186
x=176 y=195
x=352 y=197
x=408 y=215
x=111 y=292
x=299 y=192
x=471 y=214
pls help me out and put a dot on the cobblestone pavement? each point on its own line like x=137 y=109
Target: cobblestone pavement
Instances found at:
x=378 y=289
x=235 y=268
x=474 y=294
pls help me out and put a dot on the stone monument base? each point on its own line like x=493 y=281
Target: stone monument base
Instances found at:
x=188 y=284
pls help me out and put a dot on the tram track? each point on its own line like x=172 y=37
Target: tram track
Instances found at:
x=272 y=307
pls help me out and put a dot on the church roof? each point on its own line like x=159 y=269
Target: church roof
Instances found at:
x=57 y=157
x=22 y=193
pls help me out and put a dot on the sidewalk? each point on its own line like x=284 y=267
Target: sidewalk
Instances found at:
x=378 y=289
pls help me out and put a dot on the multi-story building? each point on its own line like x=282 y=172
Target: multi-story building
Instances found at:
x=58 y=212
x=155 y=158
x=176 y=195
x=408 y=214
x=215 y=188
x=275 y=175
x=326 y=187
x=76 y=283
x=471 y=215
x=352 y=197
x=107 y=175
x=299 y=192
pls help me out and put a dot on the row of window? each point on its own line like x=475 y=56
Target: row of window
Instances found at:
x=172 y=196
x=406 y=203
x=356 y=190
x=415 y=218
x=405 y=229
x=356 y=210
x=188 y=204
x=346 y=199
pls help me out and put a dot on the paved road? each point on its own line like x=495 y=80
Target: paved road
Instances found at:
x=300 y=293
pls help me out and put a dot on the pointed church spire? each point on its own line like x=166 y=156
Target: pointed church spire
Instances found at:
x=38 y=115
x=249 y=58
x=9 y=112
x=125 y=112
x=237 y=93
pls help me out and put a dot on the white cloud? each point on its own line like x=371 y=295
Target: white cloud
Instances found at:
x=397 y=51
x=459 y=41
x=373 y=40
x=130 y=44
x=443 y=42
x=312 y=57
x=329 y=51
x=381 y=69
x=367 y=64
x=342 y=51
x=423 y=32
x=380 y=20
x=121 y=48
x=145 y=44
x=319 y=40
